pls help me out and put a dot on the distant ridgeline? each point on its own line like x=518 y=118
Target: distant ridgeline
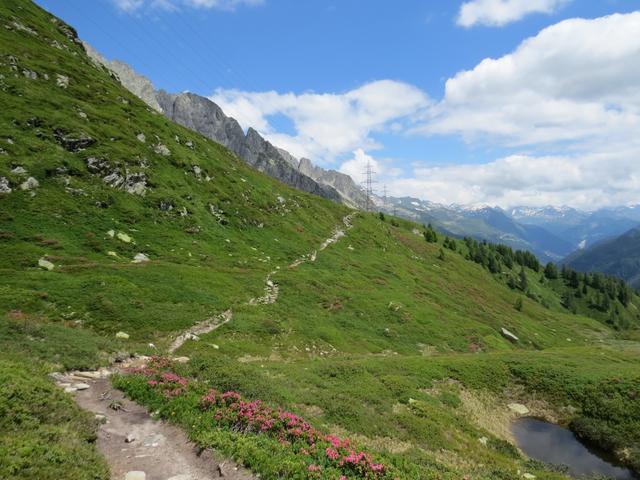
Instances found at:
x=596 y=295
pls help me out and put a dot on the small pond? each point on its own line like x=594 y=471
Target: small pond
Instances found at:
x=556 y=445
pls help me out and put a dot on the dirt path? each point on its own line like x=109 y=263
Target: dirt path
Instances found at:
x=271 y=291
x=132 y=441
x=193 y=333
x=138 y=447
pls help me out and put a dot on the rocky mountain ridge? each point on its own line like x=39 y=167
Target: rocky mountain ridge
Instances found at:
x=202 y=115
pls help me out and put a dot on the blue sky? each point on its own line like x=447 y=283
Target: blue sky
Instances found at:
x=290 y=67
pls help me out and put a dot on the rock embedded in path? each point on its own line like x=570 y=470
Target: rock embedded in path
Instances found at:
x=518 y=408
x=81 y=386
x=135 y=475
x=91 y=375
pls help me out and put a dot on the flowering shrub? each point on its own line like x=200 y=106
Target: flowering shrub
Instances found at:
x=321 y=453
x=229 y=409
x=170 y=384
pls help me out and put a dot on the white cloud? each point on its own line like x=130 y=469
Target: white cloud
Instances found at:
x=357 y=166
x=501 y=12
x=566 y=84
x=326 y=125
x=584 y=181
x=129 y=5
x=573 y=90
x=135 y=5
x=565 y=104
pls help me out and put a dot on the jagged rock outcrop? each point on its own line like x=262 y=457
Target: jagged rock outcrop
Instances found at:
x=205 y=117
x=137 y=84
x=293 y=161
x=266 y=158
x=343 y=183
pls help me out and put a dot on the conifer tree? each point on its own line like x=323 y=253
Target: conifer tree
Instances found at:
x=523 y=283
x=551 y=271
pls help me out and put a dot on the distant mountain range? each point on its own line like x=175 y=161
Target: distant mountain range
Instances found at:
x=487 y=223
x=619 y=256
x=581 y=229
x=552 y=233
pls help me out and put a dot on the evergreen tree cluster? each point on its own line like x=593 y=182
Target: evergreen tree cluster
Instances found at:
x=430 y=234
x=594 y=291
x=494 y=256
x=593 y=294
x=605 y=288
x=451 y=244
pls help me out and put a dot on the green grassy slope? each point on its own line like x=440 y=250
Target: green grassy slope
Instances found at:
x=356 y=339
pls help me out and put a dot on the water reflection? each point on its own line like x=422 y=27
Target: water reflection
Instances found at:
x=556 y=445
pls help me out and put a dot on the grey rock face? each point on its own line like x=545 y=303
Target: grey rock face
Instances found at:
x=205 y=117
x=293 y=161
x=265 y=157
x=344 y=184
x=137 y=84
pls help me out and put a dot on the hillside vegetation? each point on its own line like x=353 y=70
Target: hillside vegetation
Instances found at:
x=619 y=256
x=113 y=220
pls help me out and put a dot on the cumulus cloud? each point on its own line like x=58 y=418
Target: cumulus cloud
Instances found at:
x=565 y=104
x=584 y=181
x=356 y=167
x=327 y=125
x=567 y=91
x=135 y=5
x=564 y=85
x=501 y=12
